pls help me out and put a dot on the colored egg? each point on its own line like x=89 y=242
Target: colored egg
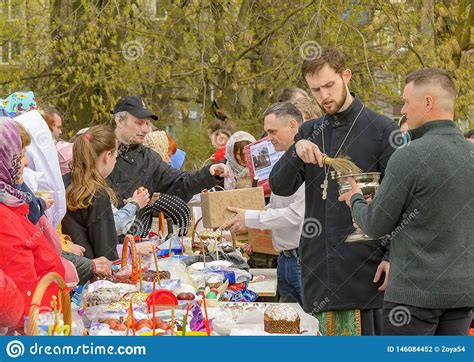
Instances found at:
x=211 y=295
x=143 y=323
x=120 y=327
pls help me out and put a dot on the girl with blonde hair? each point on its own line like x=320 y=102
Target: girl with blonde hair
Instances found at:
x=89 y=219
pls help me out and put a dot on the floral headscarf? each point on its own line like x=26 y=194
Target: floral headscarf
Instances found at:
x=19 y=102
x=10 y=164
x=235 y=170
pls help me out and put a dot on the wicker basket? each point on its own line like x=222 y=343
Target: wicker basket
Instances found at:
x=281 y=326
x=44 y=283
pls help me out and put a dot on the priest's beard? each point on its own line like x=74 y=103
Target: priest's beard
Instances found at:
x=338 y=103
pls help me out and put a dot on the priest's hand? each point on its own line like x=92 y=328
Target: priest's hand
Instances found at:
x=355 y=189
x=384 y=267
x=237 y=223
x=219 y=169
x=309 y=152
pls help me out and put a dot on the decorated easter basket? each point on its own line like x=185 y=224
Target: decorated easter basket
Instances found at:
x=45 y=282
x=129 y=242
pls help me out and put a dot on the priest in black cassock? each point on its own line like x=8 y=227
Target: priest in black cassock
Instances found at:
x=343 y=283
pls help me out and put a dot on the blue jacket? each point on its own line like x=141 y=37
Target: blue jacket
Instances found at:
x=37 y=205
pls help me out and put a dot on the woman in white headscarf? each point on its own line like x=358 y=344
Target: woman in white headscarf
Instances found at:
x=235 y=156
x=43 y=172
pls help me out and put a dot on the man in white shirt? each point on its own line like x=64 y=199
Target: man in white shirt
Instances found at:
x=284 y=215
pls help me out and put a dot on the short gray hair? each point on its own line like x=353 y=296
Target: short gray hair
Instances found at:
x=122 y=117
x=284 y=111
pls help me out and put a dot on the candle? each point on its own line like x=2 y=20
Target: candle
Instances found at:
x=185 y=320
x=172 y=321
x=202 y=250
x=140 y=271
x=153 y=308
x=162 y=224
x=132 y=318
x=217 y=245
x=128 y=321
x=155 y=259
x=206 y=320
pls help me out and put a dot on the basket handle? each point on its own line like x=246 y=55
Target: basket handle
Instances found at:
x=129 y=240
x=161 y=226
x=206 y=162
x=44 y=283
x=194 y=234
x=193 y=230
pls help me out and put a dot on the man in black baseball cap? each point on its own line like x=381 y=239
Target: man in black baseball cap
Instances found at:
x=138 y=165
x=135 y=105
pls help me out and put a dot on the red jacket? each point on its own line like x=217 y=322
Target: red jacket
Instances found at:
x=219 y=155
x=26 y=255
x=11 y=302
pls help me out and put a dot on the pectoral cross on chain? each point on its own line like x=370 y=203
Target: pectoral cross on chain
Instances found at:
x=324 y=186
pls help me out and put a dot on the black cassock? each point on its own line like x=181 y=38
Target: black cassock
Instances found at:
x=337 y=275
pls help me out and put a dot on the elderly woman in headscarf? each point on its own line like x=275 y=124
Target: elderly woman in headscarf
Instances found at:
x=26 y=256
x=235 y=156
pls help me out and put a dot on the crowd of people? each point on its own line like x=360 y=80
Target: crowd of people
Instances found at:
x=65 y=206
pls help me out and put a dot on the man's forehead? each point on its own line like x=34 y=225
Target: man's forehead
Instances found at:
x=138 y=120
x=325 y=75
x=270 y=119
x=411 y=91
x=271 y=122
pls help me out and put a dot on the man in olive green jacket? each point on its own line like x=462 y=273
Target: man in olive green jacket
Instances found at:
x=426 y=203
